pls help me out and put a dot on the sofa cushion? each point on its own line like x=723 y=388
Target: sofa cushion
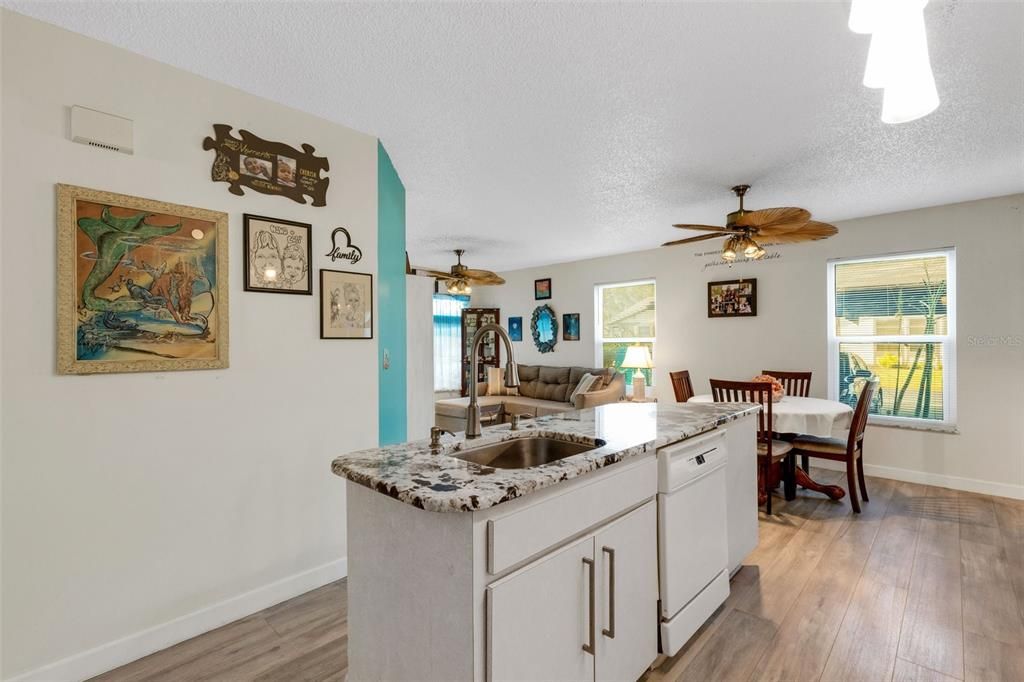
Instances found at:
x=544 y=383
x=534 y=407
x=528 y=379
x=553 y=384
x=456 y=407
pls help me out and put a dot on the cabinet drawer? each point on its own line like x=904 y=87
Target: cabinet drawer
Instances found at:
x=526 y=532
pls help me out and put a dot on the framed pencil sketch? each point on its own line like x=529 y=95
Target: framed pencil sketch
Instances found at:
x=278 y=254
x=346 y=305
x=141 y=284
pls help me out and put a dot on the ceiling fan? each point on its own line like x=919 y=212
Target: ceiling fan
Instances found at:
x=748 y=232
x=460 y=280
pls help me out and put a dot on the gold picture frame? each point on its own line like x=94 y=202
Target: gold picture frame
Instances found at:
x=142 y=285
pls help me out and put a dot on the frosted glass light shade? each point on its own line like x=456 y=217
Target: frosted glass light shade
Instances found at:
x=864 y=15
x=910 y=86
x=898 y=58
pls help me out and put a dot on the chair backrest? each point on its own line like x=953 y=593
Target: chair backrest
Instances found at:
x=682 y=385
x=795 y=383
x=723 y=391
x=860 y=413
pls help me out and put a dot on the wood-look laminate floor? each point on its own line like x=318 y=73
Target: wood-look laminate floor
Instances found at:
x=926 y=585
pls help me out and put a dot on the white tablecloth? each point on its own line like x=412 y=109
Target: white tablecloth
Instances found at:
x=810 y=416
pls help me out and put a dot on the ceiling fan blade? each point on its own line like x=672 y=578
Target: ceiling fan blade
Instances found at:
x=436 y=274
x=709 y=228
x=698 y=238
x=810 y=231
x=485 y=277
x=770 y=217
x=776 y=230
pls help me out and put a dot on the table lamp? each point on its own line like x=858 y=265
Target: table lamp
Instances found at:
x=638 y=357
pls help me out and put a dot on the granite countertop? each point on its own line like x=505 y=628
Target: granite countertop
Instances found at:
x=411 y=473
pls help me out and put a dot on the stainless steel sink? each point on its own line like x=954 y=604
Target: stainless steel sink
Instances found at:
x=523 y=453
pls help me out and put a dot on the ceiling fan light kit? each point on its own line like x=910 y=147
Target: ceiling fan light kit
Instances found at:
x=748 y=232
x=898 y=59
x=460 y=279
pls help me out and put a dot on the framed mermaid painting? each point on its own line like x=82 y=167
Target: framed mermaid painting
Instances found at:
x=142 y=284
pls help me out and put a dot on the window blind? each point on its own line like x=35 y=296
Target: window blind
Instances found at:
x=891 y=318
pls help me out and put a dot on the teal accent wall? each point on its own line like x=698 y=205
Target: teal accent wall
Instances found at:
x=391 y=300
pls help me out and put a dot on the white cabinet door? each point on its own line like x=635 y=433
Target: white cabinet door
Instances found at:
x=627 y=562
x=540 y=618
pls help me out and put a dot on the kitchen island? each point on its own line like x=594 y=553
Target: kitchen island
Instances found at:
x=463 y=571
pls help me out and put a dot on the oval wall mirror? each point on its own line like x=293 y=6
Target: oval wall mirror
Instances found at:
x=544 y=326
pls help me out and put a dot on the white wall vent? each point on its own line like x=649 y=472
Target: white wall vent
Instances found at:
x=105 y=131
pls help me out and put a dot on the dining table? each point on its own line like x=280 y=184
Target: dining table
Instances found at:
x=794 y=415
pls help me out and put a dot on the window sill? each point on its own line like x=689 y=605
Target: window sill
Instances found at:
x=948 y=429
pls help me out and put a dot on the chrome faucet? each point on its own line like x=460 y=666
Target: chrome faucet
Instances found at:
x=511 y=374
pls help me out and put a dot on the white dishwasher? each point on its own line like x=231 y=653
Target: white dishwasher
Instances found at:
x=693 y=545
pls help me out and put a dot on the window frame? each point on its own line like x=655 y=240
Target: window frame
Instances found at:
x=947 y=341
x=600 y=340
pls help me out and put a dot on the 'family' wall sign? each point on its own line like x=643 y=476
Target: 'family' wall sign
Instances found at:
x=343 y=251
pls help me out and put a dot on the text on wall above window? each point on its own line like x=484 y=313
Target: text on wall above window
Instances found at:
x=894 y=317
x=624 y=317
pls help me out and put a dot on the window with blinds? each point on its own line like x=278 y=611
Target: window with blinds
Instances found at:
x=893 y=317
x=624 y=316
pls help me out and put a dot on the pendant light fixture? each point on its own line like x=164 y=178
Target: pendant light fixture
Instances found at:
x=898 y=59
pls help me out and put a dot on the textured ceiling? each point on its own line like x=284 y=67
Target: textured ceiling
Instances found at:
x=538 y=133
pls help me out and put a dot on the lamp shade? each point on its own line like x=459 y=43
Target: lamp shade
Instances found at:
x=637 y=357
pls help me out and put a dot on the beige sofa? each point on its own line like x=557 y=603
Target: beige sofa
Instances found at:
x=542 y=391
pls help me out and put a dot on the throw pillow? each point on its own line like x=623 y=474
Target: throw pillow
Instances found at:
x=496 y=382
x=586 y=382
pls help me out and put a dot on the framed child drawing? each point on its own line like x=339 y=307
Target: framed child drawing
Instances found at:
x=277 y=255
x=141 y=284
x=346 y=305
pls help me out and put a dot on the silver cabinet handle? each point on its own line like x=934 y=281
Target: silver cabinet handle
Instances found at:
x=609 y=631
x=589 y=646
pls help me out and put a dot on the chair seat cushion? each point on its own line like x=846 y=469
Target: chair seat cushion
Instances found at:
x=780 y=448
x=828 y=446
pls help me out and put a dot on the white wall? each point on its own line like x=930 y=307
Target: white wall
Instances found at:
x=790 y=329
x=2 y=17
x=419 y=341
x=133 y=500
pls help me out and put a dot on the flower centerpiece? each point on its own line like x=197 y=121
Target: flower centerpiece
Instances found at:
x=777 y=389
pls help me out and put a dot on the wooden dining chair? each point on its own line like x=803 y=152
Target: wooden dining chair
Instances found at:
x=769 y=450
x=850 y=451
x=795 y=383
x=682 y=385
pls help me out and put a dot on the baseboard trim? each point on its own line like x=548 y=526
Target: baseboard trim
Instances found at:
x=971 y=485
x=133 y=647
